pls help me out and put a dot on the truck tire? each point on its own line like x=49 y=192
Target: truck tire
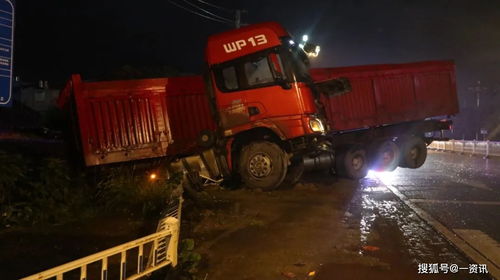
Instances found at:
x=352 y=163
x=294 y=173
x=206 y=138
x=387 y=156
x=262 y=165
x=413 y=152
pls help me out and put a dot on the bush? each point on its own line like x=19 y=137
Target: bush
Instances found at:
x=39 y=191
x=12 y=170
x=130 y=186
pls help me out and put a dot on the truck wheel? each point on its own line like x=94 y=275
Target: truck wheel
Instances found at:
x=294 y=173
x=387 y=156
x=413 y=152
x=352 y=163
x=262 y=165
x=206 y=138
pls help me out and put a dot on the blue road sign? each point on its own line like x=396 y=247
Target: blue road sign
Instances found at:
x=6 y=50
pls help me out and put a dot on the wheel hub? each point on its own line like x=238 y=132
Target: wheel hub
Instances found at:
x=357 y=162
x=387 y=157
x=260 y=165
x=414 y=153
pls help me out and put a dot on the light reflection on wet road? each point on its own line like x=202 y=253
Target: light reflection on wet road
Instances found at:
x=458 y=192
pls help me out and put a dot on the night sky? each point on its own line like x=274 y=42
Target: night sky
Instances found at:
x=57 y=38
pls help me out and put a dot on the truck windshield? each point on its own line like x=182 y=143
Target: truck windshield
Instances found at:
x=298 y=62
x=258 y=70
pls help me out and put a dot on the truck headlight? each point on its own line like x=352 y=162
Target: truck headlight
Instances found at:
x=316 y=125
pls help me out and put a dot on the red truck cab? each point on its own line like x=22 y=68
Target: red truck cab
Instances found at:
x=256 y=84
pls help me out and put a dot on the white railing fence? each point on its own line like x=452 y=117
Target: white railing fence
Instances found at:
x=126 y=261
x=482 y=148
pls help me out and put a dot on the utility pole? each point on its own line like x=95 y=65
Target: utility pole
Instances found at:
x=237 y=18
x=477 y=89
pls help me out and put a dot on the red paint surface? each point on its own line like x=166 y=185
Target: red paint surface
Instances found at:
x=215 y=52
x=388 y=94
x=189 y=112
x=137 y=119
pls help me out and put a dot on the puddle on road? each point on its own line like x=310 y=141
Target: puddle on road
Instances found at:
x=390 y=232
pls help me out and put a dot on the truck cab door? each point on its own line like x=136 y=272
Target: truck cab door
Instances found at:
x=231 y=101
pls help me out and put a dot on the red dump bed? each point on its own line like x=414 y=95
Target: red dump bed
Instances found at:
x=388 y=94
x=137 y=119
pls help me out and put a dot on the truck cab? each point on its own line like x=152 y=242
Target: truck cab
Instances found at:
x=258 y=84
x=259 y=78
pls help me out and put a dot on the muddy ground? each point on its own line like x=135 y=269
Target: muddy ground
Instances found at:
x=322 y=228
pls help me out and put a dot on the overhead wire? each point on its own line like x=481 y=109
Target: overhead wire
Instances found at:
x=216 y=6
x=207 y=12
x=199 y=14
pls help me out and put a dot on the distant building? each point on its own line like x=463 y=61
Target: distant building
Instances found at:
x=38 y=97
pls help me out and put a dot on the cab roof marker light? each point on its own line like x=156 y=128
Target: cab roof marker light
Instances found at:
x=315 y=53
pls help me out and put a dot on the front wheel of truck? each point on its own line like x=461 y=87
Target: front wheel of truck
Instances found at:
x=262 y=165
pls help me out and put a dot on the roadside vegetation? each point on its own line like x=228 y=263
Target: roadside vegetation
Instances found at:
x=40 y=190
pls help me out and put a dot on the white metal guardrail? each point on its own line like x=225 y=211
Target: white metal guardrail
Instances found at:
x=157 y=250
x=484 y=148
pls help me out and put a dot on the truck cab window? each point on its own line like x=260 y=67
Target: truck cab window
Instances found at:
x=257 y=72
x=230 y=78
x=277 y=65
x=266 y=68
x=296 y=61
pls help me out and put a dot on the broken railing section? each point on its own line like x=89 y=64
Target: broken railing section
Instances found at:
x=157 y=250
x=483 y=148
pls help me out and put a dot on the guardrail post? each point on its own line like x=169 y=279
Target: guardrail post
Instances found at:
x=174 y=225
x=487 y=155
x=474 y=146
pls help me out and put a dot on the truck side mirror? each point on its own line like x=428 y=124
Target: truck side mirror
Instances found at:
x=283 y=83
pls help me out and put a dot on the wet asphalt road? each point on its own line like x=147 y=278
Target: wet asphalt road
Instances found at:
x=460 y=195
x=386 y=226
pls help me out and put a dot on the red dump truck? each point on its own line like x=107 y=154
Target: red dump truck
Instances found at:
x=260 y=115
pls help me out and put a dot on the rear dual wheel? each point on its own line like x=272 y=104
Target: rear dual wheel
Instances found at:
x=352 y=163
x=386 y=156
x=413 y=152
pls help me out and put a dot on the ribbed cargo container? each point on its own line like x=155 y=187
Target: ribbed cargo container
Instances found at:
x=188 y=111
x=130 y=120
x=388 y=94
